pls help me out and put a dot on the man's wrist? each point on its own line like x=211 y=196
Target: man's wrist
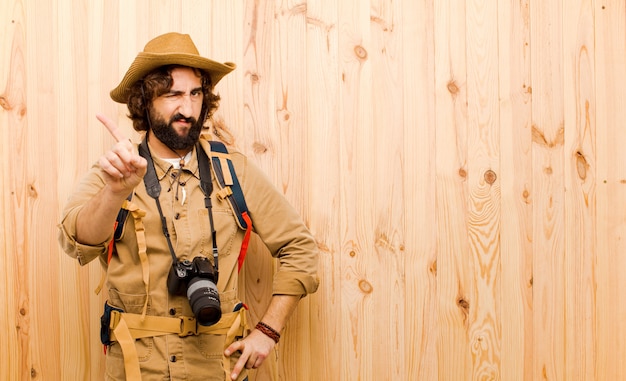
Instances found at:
x=268 y=331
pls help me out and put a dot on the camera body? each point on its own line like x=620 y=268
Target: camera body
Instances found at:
x=197 y=279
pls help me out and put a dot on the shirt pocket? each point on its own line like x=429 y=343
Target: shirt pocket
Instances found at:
x=144 y=347
x=131 y=303
x=211 y=346
x=225 y=227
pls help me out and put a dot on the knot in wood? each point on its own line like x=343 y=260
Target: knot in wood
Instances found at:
x=452 y=87
x=365 y=286
x=259 y=148
x=360 y=52
x=490 y=177
x=4 y=103
x=464 y=304
x=581 y=165
x=433 y=268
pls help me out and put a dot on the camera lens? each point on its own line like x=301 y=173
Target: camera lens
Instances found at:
x=204 y=300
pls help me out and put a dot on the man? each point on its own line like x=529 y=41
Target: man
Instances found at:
x=150 y=328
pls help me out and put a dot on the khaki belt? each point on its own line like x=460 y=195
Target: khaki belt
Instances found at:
x=126 y=327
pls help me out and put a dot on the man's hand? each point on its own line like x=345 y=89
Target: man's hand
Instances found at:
x=257 y=346
x=254 y=350
x=123 y=166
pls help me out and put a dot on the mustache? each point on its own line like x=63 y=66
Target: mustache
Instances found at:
x=179 y=117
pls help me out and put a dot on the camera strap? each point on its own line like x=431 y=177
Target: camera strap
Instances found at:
x=153 y=188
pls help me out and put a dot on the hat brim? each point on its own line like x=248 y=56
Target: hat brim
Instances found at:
x=146 y=62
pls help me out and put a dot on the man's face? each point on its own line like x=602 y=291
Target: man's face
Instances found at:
x=175 y=114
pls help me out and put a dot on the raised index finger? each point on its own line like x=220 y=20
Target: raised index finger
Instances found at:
x=114 y=130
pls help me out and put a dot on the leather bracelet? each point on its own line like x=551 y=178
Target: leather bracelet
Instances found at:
x=268 y=331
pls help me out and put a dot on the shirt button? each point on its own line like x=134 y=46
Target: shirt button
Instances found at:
x=172 y=311
x=173 y=358
x=177 y=216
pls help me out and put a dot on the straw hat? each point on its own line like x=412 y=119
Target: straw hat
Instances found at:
x=168 y=49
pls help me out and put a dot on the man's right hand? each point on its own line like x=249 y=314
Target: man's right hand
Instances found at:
x=123 y=167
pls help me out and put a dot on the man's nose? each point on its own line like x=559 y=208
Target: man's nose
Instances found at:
x=185 y=107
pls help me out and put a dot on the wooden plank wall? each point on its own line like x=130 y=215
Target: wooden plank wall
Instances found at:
x=460 y=163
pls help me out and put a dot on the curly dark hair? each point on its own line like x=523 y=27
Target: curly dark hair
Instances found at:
x=158 y=82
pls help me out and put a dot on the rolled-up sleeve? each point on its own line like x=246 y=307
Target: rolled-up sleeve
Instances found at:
x=91 y=184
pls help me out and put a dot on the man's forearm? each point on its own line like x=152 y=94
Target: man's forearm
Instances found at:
x=280 y=310
x=95 y=220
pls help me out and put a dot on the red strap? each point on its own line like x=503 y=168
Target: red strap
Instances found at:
x=111 y=245
x=246 y=240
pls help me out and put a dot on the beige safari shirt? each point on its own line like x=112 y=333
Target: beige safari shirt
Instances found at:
x=274 y=220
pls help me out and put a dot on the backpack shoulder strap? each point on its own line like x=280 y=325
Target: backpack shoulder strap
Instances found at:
x=230 y=189
x=121 y=218
x=118 y=228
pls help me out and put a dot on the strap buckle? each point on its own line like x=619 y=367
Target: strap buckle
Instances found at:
x=188 y=326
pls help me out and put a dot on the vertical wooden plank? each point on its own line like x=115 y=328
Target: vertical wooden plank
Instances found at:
x=548 y=190
x=161 y=16
x=290 y=59
x=14 y=296
x=71 y=53
x=133 y=34
x=454 y=274
x=516 y=186
x=322 y=73
x=104 y=73
x=201 y=19
x=356 y=164
x=225 y=33
x=34 y=155
x=418 y=151
x=256 y=137
x=388 y=206
x=610 y=74
x=483 y=163
x=580 y=182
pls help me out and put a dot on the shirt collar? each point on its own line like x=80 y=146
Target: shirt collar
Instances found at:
x=163 y=168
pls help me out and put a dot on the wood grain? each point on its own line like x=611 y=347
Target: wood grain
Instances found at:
x=580 y=182
x=548 y=190
x=355 y=168
x=484 y=202
x=460 y=164
x=15 y=317
x=516 y=235
x=610 y=75
x=454 y=272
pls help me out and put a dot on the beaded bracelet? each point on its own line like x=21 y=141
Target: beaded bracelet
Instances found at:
x=268 y=331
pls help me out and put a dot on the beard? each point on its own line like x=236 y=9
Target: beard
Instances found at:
x=165 y=132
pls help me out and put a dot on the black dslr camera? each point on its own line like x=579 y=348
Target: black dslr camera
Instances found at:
x=197 y=279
